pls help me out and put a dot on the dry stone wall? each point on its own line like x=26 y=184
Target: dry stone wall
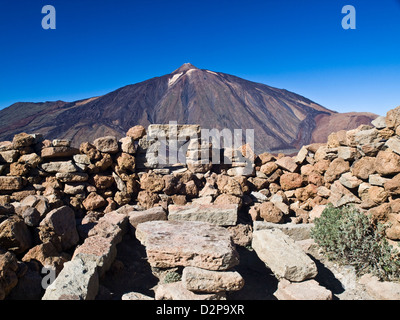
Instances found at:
x=68 y=207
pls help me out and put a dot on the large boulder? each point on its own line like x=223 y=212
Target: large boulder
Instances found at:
x=283 y=256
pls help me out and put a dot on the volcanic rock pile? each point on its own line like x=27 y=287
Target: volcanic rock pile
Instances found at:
x=68 y=208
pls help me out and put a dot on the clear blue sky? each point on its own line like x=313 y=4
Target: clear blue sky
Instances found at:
x=101 y=45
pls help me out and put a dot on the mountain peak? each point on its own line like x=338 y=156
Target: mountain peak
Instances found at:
x=185 y=67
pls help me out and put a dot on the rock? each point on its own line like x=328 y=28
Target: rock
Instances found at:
x=23 y=140
x=393 y=144
x=72 y=177
x=281 y=254
x=59 y=166
x=136 y=132
x=229 y=185
x=266 y=157
x=122 y=198
x=47 y=254
x=128 y=145
x=108 y=144
x=78 y=280
x=74 y=188
x=377 y=194
x=99 y=250
x=207 y=281
x=287 y=163
x=111 y=226
x=104 y=163
x=380 y=290
x=387 y=163
x=59 y=227
x=147 y=199
x=187 y=243
x=349 y=181
x=325 y=153
x=393 y=185
x=365 y=137
x=179 y=199
x=90 y=151
x=270 y=213
x=190 y=189
x=9 y=156
x=29 y=286
x=377 y=180
x=258 y=197
x=135 y=296
x=126 y=162
x=347 y=153
x=301 y=155
x=393 y=118
x=307 y=290
x=19 y=169
x=10 y=183
x=245 y=171
x=8 y=273
x=379 y=123
x=316 y=212
x=82 y=159
x=340 y=195
x=177 y=291
x=217 y=214
x=31 y=217
x=336 y=169
x=290 y=181
x=268 y=168
x=297 y=232
x=156 y=213
x=152 y=182
x=200 y=166
x=102 y=181
x=364 y=167
x=58 y=152
x=94 y=201
x=225 y=199
x=241 y=234
x=14 y=235
x=303 y=194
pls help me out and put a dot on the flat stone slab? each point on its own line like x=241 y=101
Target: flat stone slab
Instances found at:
x=177 y=291
x=187 y=243
x=78 y=280
x=283 y=256
x=307 y=290
x=201 y=280
x=156 y=213
x=220 y=215
x=297 y=232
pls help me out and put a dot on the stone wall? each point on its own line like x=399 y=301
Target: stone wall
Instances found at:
x=60 y=203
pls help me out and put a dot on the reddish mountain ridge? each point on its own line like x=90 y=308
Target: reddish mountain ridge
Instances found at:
x=282 y=120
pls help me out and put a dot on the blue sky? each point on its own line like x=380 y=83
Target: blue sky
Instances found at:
x=99 y=46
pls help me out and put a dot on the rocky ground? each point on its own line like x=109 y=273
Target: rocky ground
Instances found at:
x=196 y=230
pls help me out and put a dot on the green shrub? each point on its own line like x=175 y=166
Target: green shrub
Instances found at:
x=348 y=237
x=172 y=276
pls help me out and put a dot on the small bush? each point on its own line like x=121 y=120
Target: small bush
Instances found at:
x=348 y=237
x=172 y=276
